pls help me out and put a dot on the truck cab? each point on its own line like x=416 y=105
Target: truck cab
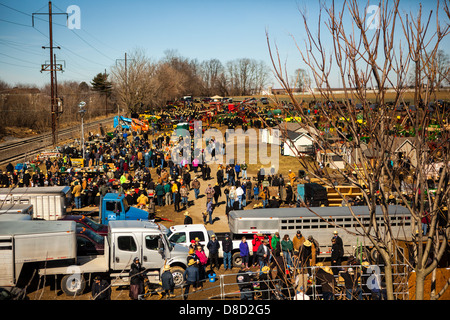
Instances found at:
x=114 y=207
x=147 y=241
x=184 y=234
x=126 y=240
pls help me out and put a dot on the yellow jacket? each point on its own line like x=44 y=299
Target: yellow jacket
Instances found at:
x=77 y=190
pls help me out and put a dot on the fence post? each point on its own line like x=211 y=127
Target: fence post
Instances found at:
x=222 y=287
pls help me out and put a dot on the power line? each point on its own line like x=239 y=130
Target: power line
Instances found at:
x=90 y=45
x=17 y=65
x=6 y=55
x=61 y=25
x=19 y=49
x=17 y=23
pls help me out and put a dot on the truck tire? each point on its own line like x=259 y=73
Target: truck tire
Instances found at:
x=178 y=275
x=73 y=284
x=236 y=260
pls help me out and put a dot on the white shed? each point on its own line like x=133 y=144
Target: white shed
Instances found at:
x=297 y=142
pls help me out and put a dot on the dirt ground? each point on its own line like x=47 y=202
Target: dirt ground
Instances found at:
x=168 y=217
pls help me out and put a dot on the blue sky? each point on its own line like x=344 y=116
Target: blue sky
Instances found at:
x=196 y=29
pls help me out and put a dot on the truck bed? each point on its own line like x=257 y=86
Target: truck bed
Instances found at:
x=84 y=264
x=87 y=264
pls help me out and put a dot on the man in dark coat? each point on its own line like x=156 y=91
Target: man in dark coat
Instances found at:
x=227 y=247
x=336 y=256
x=101 y=290
x=245 y=285
x=213 y=247
x=191 y=277
x=289 y=194
x=167 y=282
x=136 y=279
x=187 y=218
x=220 y=177
x=325 y=279
x=217 y=193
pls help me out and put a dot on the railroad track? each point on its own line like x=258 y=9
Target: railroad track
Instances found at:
x=24 y=149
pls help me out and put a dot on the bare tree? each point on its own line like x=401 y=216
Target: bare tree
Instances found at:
x=246 y=76
x=372 y=66
x=132 y=81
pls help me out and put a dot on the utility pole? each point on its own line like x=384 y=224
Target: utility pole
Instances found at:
x=106 y=97
x=52 y=68
x=126 y=75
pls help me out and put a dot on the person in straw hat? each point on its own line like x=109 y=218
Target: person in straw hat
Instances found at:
x=167 y=283
x=325 y=279
x=191 y=276
x=187 y=218
x=306 y=253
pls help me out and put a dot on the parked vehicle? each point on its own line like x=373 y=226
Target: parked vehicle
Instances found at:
x=89 y=243
x=88 y=223
x=139 y=125
x=310 y=223
x=35 y=242
x=49 y=203
x=125 y=123
x=114 y=207
x=12 y=211
x=125 y=241
x=264 y=100
x=15 y=208
x=184 y=234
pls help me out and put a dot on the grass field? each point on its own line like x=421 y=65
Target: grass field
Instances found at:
x=408 y=96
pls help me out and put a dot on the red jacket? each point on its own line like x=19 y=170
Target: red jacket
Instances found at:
x=256 y=242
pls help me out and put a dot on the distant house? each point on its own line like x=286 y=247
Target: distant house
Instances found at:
x=292 y=138
x=330 y=159
x=296 y=143
x=404 y=148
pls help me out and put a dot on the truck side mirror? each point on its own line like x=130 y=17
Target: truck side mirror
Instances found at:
x=161 y=248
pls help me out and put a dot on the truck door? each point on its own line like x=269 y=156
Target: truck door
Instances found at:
x=153 y=251
x=112 y=212
x=125 y=249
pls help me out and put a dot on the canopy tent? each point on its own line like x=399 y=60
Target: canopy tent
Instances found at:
x=216 y=97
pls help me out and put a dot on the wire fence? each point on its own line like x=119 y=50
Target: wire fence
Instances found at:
x=355 y=282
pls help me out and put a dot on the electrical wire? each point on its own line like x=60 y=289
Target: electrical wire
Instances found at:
x=61 y=25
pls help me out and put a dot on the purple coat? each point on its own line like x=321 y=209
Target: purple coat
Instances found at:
x=243 y=248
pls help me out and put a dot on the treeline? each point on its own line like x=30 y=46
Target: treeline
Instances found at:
x=28 y=106
x=142 y=84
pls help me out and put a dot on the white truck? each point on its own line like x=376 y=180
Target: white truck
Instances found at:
x=49 y=203
x=126 y=240
x=12 y=211
x=52 y=247
x=34 y=242
x=318 y=222
x=184 y=234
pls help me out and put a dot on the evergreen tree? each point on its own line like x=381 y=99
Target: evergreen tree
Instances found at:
x=101 y=84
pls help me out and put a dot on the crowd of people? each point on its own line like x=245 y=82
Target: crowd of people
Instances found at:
x=149 y=171
x=276 y=269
